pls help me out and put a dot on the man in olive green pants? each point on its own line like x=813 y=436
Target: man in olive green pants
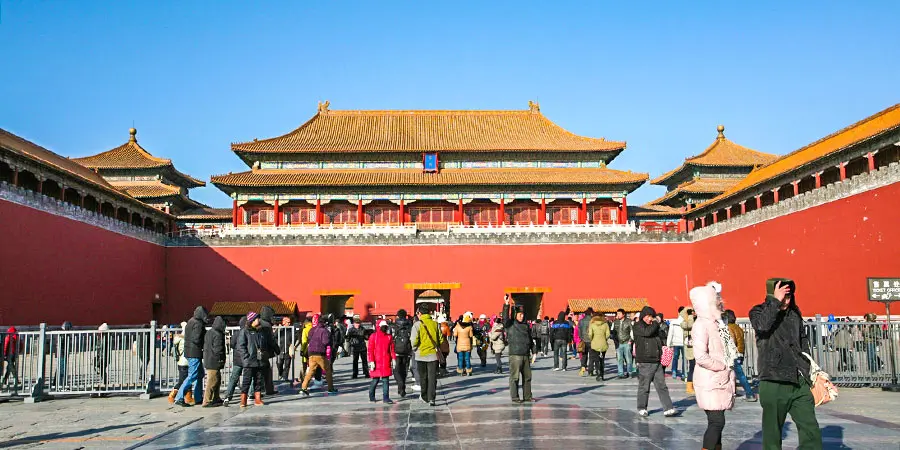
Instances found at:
x=780 y=399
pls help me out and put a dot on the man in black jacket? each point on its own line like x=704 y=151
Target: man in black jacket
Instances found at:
x=402 y=333
x=214 y=362
x=648 y=342
x=784 y=387
x=518 y=337
x=194 y=335
x=357 y=339
x=237 y=361
x=270 y=346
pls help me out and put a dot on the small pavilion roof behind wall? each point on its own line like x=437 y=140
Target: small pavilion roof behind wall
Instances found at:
x=607 y=305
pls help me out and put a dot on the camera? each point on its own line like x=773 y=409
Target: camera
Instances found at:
x=771 y=282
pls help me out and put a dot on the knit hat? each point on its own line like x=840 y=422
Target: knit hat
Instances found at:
x=382 y=323
x=467 y=319
x=648 y=311
x=251 y=316
x=103 y=327
x=482 y=317
x=715 y=285
x=183 y=325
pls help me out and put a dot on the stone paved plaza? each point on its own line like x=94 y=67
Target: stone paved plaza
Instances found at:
x=571 y=411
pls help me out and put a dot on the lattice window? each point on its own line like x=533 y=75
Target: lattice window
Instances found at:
x=435 y=214
x=340 y=214
x=522 y=214
x=605 y=214
x=299 y=215
x=260 y=216
x=482 y=214
x=564 y=214
x=382 y=214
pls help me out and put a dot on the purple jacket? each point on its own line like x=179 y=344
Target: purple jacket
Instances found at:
x=319 y=340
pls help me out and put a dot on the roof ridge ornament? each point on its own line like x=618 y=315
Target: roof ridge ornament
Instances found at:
x=132 y=135
x=323 y=107
x=534 y=107
x=721 y=130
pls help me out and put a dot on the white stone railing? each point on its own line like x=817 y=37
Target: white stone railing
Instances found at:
x=56 y=207
x=229 y=230
x=629 y=227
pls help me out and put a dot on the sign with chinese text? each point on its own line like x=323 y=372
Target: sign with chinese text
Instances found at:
x=884 y=289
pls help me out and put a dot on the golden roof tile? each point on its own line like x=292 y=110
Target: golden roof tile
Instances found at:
x=147 y=189
x=417 y=131
x=242 y=308
x=416 y=177
x=653 y=210
x=206 y=213
x=607 y=305
x=721 y=153
x=699 y=186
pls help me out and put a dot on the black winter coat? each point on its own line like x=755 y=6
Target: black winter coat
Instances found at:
x=249 y=343
x=780 y=339
x=518 y=335
x=214 y=347
x=648 y=342
x=357 y=338
x=269 y=344
x=236 y=357
x=195 y=334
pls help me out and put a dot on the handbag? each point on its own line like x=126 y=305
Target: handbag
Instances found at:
x=823 y=390
x=667 y=354
x=580 y=348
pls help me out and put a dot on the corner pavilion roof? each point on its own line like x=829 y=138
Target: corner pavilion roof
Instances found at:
x=721 y=153
x=651 y=210
x=698 y=186
x=131 y=155
x=417 y=131
x=607 y=305
x=415 y=177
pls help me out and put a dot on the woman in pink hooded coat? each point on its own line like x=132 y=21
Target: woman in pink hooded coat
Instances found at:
x=381 y=356
x=714 y=352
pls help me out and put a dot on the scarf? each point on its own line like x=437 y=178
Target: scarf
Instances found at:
x=727 y=343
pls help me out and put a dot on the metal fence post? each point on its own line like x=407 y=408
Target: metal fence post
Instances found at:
x=820 y=330
x=37 y=389
x=152 y=388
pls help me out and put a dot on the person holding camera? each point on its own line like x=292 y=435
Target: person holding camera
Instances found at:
x=648 y=342
x=252 y=344
x=784 y=388
x=518 y=335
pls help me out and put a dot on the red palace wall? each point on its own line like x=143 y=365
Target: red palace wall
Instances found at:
x=828 y=250
x=54 y=269
x=206 y=275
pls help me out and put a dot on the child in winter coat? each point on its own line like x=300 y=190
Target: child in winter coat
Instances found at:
x=498 y=343
x=381 y=361
x=714 y=352
x=182 y=363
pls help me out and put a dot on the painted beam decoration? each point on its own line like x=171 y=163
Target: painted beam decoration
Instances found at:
x=884 y=289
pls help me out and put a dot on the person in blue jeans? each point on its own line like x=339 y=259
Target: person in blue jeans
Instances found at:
x=737 y=334
x=194 y=336
x=675 y=340
x=464 y=335
x=622 y=330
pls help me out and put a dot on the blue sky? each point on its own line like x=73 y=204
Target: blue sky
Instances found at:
x=195 y=76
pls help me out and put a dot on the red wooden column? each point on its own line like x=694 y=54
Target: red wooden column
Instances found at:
x=15 y=176
x=715 y=217
x=402 y=213
x=318 y=211
x=702 y=221
x=623 y=217
x=682 y=225
x=240 y=220
x=234 y=213
x=728 y=213
x=842 y=167
x=871 y=157
x=501 y=214
x=743 y=207
x=775 y=193
x=796 y=184
x=360 y=219
x=542 y=219
x=81 y=194
x=758 y=201
x=277 y=214
x=583 y=218
x=691 y=225
x=818 y=176
x=460 y=212
x=40 y=189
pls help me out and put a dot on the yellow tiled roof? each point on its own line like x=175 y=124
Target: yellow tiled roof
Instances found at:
x=607 y=305
x=417 y=131
x=206 y=213
x=722 y=152
x=131 y=155
x=415 y=177
x=242 y=308
x=653 y=210
x=867 y=128
x=699 y=186
x=147 y=189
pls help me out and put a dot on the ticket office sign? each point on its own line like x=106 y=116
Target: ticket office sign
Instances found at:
x=882 y=289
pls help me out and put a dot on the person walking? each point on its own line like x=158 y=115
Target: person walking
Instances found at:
x=737 y=335
x=784 y=388
x=180 y=361
x=237 y=361
x=498 y=344
x=715 y=354
x=686 y=326
x=251 y=344
x=286 y=337
x=402 y=330
x=214 y=362
x=675 y=341
x=444 y=348
x=562 y=334
x=648 y=343
x=622 y=328
x=464 y=335
x=482 y=330
x=194 y=337
x=269 y=347
x=381 y=361
x=357 y=339
x=598 y=334
x=519 y=338
x=584 y=325
x=11 y=358
x=426 y=340
x=319 y=349
x=544 y=329
x=64 y=347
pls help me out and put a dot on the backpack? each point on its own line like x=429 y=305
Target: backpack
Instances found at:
x=544 y=328
x=403 y=340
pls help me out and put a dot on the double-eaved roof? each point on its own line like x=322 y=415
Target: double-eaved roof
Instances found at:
x=418 y=131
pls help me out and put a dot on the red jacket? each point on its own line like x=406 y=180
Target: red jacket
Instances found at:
x=381 y=352
x=11 y=344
